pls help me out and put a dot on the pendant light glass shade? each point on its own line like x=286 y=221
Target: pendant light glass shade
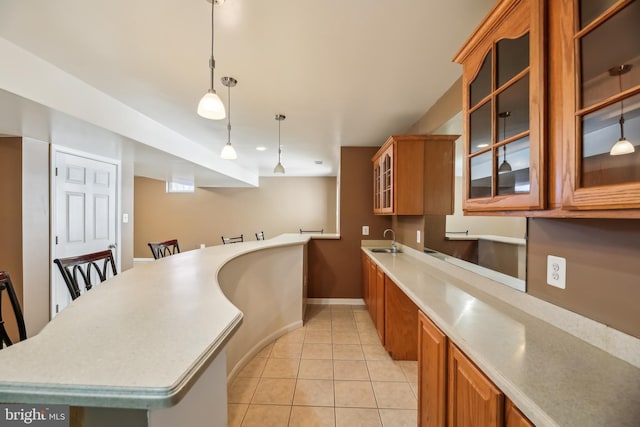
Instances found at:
x=210 y=105
x=228 y=152
x=279 y=169
x=622 y=146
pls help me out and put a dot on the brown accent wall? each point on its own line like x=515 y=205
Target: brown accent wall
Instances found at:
x=11 y=221
x=334 y=265
x=603 y=268
x=279 y=205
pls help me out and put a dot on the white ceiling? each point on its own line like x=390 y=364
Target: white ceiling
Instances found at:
x=345 y=73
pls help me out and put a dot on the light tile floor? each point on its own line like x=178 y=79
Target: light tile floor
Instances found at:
x=332 y=372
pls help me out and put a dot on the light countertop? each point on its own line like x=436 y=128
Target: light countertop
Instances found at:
x=138 y=340
x=555 y=378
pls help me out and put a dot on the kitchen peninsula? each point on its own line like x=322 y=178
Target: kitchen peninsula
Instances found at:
x=153 y=346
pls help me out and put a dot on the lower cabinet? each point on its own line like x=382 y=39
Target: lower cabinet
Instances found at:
x=400 y=314
x=432 y=374
x=452 y=391
x=472 y=399
x=515 y=418
x=373 y=284
x=379 y=303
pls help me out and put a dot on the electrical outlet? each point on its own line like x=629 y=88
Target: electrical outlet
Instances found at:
x=365 y=230
x=417 y=236
x=556 y=271
x=125 y=218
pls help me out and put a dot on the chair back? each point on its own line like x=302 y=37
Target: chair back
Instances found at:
x=7 y=287
x=81 y=271
x=163 y=249
x=260 y=235
x=312 y=231
x=238 y=239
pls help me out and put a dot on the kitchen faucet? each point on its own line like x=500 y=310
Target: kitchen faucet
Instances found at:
x=394 y=247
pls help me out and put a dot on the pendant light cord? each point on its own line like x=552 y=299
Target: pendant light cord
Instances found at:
x=212 y=62
x=621 y=121
x=279 y=143
x=229 y=113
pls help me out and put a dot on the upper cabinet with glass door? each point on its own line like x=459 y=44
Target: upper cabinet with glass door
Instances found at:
x=600 y=80
x=504 y=109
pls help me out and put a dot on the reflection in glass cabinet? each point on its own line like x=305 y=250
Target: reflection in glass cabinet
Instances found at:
x=609 y=103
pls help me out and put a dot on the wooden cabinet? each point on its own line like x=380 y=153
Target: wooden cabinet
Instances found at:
x=401 y=316
x=472 y=399
x=373 y=290
x=413 y=175
x=549 y=88
x=366 y=262
x=598 y=100
x=432 y=374
x=453 y=391
x=504 y=109
x=513 y=416
x=379 y=304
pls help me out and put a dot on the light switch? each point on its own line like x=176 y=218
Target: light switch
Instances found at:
x=125 y=218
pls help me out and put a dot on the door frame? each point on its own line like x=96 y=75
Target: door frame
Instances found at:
x=55 y=149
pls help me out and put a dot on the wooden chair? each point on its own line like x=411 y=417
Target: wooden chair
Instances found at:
x=163 y=249
x=6 y=285
x=226 y=240
x=260 y=235
x=88 y=267
x=321 y=231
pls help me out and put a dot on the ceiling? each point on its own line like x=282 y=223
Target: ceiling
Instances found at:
x=345 y=73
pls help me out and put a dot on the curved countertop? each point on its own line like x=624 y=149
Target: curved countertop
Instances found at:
x=555 y=378
x=131 y=342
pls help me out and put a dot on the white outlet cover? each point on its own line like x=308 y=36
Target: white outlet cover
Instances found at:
x=365 y=230
x=417 y=236
x=556 y=271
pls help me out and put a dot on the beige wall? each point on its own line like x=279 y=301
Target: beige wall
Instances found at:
x=279 y=205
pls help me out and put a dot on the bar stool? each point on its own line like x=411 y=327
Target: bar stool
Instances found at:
x=163 y=249
x=7 y=285
x=227 y=240
x=87 y=266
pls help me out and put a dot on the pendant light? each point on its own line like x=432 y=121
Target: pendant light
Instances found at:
x=504 y=166
x=228 y=152
x=279 y=169
x=211 y=106
x=623 y=146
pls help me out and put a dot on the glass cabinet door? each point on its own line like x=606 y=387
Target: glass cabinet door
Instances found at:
x=504 y=110
x=603 y=126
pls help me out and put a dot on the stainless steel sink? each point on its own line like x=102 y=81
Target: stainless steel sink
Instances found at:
x=385 y=250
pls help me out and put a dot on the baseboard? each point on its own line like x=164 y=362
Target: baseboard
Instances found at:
x=335 y=301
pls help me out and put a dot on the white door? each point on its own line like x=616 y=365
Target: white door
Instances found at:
x=84 y=214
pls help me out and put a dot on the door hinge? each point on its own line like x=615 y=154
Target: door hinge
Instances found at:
x=56 y=240
x=57 y=308
x=56 y=171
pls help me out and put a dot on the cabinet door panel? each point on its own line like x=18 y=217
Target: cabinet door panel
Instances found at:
x=379 y=304
x=401 y=316
x=432 y=374
x=515 y=418
x=473 y=400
